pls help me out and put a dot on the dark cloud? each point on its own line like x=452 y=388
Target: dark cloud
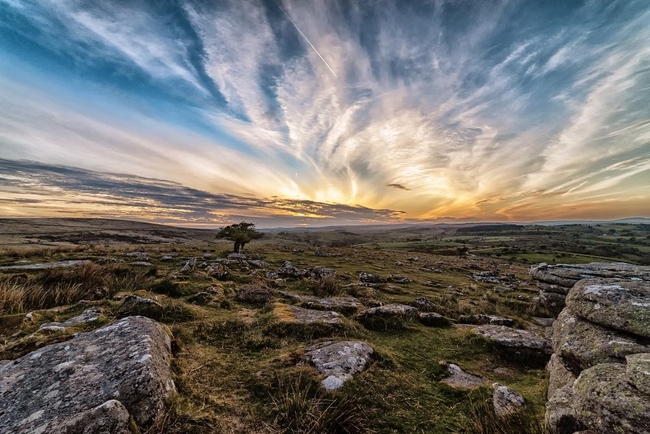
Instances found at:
x=398 y=186
x=167 y=201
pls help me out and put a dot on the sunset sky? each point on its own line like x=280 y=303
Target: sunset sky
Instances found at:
x=325 y=112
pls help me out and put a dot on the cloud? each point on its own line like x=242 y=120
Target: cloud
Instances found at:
x=68 y=190
x=398 y=186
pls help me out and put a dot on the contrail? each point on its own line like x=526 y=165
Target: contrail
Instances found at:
x=308 y=41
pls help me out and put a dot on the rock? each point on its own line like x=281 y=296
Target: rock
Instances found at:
x=514 y=338
x=553 y=302
x=345 y=305
x=560 y=417
x=319 y=272
x=255 y=294
x=558 y=375
x=460 y=379
x=272 y=275
x=566 y=275
x=236 y=257
x=605 y=402
x=166 y=258
x=139 y=256
x=65 y=384
x=218 y=271
x=297 y=315
x=136 y=305
x=258 y=263
x=424 y=304
x=88 y=316
x=396 y=278
x=288 y=270
x=433 y=319
x=338 y=361
x=390 y=316
x=481 y=319
x=506 y=401
x=189 y=265
x=582 y=344
x=638 y=372
x=141 y=264
x=486 y=277
x=544 y=322
x=623 y=305
x=370 y=278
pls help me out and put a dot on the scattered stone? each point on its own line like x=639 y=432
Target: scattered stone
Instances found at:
x=255 y=294
x=141 y=264
x=139 y=256
x=345 y=305
x=460 y=379
x=370 y=278
x=189 y=265
x=481 y=319
x=136 y=305
x=433 y=319
x=486 y=277
x=293 y=314
x=506 y=401
x=272 y=275
x=396 y=278
x=166 y=258
x=623 y=305
x=319 y=272
x=338 y=361
x=236 y=257
x=514 y=338
x=392 y=310
x=46 y=265
x=218 y=271
x=88 y=316
x=61 y=387
x=258 y=263
x=424 y=304
x=289 y=270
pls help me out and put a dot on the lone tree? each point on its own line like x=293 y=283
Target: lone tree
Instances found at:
x=240 y=234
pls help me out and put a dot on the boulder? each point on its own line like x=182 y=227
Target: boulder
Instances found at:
x=236 y=257
x=392 y=310
x=566 y=275
x=623 y=305
x=88 y=316
x=582 y=344
x=433 y=319
x=338 y=361
x=460 y=379
x=552 y=301
x=289 y=270
x=258 y=263
x=560 y=417
x=396 y=278
x=297 y=315
x=506 y=401
x=514 y=338
x=218 y=271
x=558 y=375
x=189 y=265
x=370 y=278
x=345 y=305
x=481 y=319
x=99 y=378
x=638 y=371
x=604 y=401
x=424 y=304
x=319 y=272
x=135 y=305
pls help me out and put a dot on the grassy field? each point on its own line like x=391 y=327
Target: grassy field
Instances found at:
x=236 y=364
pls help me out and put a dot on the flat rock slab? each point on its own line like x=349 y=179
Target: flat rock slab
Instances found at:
x=50 y=389
x=88 y=316
x=481 y=319
x=338 y=361
x=460 y=379
x=582 y=344
x=392 y=310
x=298 y=315
x=347 y=305
x=513 y=338
x=623 y=305
x=566 y=275
x=45 y=265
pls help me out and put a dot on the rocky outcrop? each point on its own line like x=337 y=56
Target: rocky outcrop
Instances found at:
x=555 y=281
x=600 y=370
x=481 y=319
x=95 y=382
x=433 y=319
x=515 y=339
x=338 y=361
x=346 y=305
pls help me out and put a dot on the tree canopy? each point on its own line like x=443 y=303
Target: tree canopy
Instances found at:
x=240 y=234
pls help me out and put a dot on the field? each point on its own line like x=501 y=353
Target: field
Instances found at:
x=236 y=362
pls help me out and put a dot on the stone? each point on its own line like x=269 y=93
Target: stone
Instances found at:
x=486 y=277
x=289 y=270
x=553 y=302
x=460 y=379
x=311 y=316
x=638 y=371
x=218 y=271
x=166 y=258
x=141 y=263
x=319 y=272
x=433 y=319
x=88 y=316
x=338 y=361
x=566 y=275
x=623 y=305
x=582 y=344
x=506 y=401
x=189 y=265
x=480 y=319
x=345 y=305
x=396 y=278
x=558 y=375
x=560 y=417
x=255 y=294
x=64 y=384
x=370 y=278
x=424 y=304
x=544 y=322
x=236 y=257
x=604 y=401
x=136 y=305
x=513 y=338
x=139 y=256
x=110 y=417
x=258 y=263
x=392 y=310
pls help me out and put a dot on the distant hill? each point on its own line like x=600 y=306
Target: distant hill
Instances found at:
x=66 y=231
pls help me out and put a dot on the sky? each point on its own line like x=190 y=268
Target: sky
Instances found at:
x=325 y=112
